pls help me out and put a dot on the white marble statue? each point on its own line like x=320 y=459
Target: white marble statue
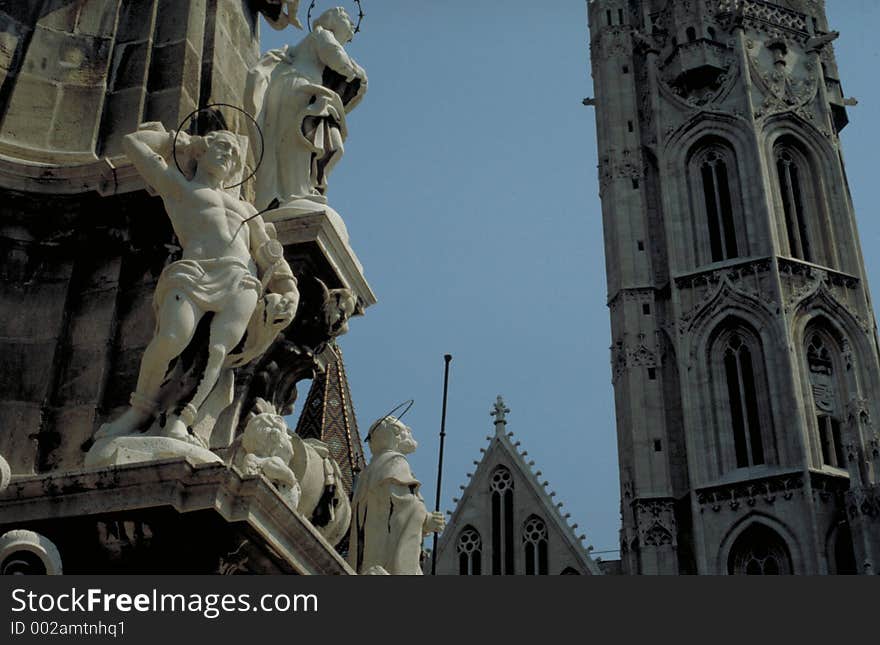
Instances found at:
x=232 y=267
x=286 y=14
x=266 y=449
x=389 y=517
x=302 y=470
x=300 y=95
x=5 y=474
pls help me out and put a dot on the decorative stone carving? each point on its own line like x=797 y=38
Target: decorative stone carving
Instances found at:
x=28 y=553
x=655 y=521
x=301 y=469
x=300 y=96
x=390 y=518
x=232 y=276
x=766 y=490
x=265 y=449
x=5 y=474
x=863 y=502
x=323 y=316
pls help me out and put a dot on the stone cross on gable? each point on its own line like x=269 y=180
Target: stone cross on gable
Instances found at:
x=499 y=411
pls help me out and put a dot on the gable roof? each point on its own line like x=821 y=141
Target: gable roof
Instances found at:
x=503 y=450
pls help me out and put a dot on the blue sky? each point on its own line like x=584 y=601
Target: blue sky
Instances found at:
x=469 y=190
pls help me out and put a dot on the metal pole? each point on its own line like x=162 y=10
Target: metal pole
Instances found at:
x=448 y=359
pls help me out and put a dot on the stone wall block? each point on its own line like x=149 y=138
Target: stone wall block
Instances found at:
x=123 y=378
x=11 y=34
x=18 y=444
x=129 y=66
x=27 y=370
x=169 y=106
x=99 y=17
x=68 y=58
x=179 y=19
x=82 y=375
x=135 y=20
x=66 y=430
x=33 y=312
x=76 y=121
x=59 y=15
x=31 y=108
x=123 y=113
x=237 y=29
x=174 y=65
x=136 y=318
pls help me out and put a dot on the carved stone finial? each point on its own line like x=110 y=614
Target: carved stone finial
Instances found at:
x=499 y=411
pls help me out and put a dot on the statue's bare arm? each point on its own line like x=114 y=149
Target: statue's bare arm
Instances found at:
x=149 y=150
x=269 y=254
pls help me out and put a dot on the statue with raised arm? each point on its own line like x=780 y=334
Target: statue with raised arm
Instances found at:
x=389 y=516
x=232 y=269
x=299 y=96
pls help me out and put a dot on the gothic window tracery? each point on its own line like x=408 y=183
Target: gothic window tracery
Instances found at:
x=742 y=408
x=743 y=399
x=719 y=224
x=470 y=552
x=791 y=173
x=759 y=551
x=535 y=546
x=501 y=488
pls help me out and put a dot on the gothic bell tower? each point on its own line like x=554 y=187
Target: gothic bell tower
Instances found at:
x=744 y=356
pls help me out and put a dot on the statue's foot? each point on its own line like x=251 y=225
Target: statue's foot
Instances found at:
x=128 y=423
x=176 y=429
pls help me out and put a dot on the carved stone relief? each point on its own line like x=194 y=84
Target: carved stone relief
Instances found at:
x=748 y=494
x=655 y=521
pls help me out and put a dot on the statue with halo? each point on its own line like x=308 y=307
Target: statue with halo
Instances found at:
x=300 y=96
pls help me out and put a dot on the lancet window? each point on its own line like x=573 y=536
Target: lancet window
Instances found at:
x=470 y=552
x=535 y=546
x=742 y=402
x=501 y=489
x=717 y=203
x=742 y=393
x=792 y=172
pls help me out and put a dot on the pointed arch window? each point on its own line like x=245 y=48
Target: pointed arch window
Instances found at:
x=470 y=552
x=759 y=551
x=535 y=546
x=792 y=172
x=739 y=399
x=719 y=218
x=823 y=385
x=742 y=391
x=719 y=208
x=501 y=489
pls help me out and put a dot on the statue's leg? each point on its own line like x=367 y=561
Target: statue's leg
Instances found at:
x=177 y=319
x=227 y=329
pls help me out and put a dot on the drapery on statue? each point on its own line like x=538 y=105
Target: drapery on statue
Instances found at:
x=389 y=517
x=232 y=269
x=299 y=96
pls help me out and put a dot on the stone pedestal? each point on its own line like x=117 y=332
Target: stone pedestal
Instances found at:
x=167 y=517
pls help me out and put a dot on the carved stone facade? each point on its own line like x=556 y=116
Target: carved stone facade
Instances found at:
x=744 y=346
